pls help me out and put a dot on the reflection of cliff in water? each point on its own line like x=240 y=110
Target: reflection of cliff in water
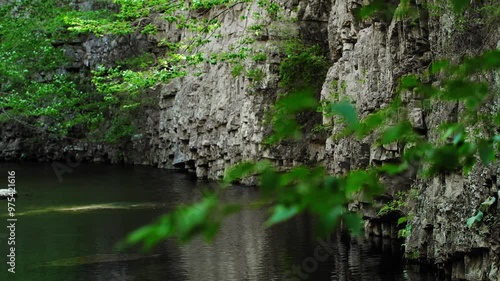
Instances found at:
x=239 y=251
x=245 y=250
x=372 y=259
x=360 y=259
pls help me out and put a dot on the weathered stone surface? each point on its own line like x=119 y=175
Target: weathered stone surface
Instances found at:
x=213 y=120
x=369 y=58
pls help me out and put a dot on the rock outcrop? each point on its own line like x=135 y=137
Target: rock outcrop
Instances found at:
x=369 y=58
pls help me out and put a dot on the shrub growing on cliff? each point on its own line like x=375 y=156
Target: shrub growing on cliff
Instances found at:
x=38 y=86
x=302 y=66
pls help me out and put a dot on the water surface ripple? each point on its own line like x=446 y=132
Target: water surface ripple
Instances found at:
x=66 y=231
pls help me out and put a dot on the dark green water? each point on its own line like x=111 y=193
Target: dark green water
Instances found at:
x=67 y=231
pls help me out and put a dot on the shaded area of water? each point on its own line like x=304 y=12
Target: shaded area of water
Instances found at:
x=67 y=230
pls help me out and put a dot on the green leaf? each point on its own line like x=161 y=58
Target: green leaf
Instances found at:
x=466 y=149
x=372 y=122
x=439 y=65
x=297 y=173
x=409 y=82
x=269 y=182
x=445 y=158
x=354 y=222
x=468 y=164
x=376 y=6
x=450 y=130
x=397 y=132
x=285 y=126
x=283 y=120
x=477 y=218
x=347 y=111
x=282 y=213
x=489 y=60
x=403 y=9
x=151 y=234
x=458 y=138
x=210 y=231
x=402 y=220
x=355 y=182
x=393 y=169
x=328 y=220
x=362 y=180
x=139 y=234
x=496 y=119
x=427 y=91
x=239 y=171
x=472 y=93
x=263 y=165
x=486 y=152
x=297 y=101
x=405 y=232
x=460 y=5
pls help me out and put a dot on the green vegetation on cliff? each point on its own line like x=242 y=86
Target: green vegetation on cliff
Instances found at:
x=30 y=83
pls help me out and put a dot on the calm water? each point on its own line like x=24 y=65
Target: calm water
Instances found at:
x=67 y=231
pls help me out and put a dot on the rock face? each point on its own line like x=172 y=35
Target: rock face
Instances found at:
x=369 y=58
x=205 y=123
x=213 y=120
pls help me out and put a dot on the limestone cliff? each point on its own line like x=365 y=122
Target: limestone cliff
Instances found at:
x=205 y=123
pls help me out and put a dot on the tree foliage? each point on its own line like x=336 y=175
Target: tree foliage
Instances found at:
x=38 y=86
x=30 y=83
